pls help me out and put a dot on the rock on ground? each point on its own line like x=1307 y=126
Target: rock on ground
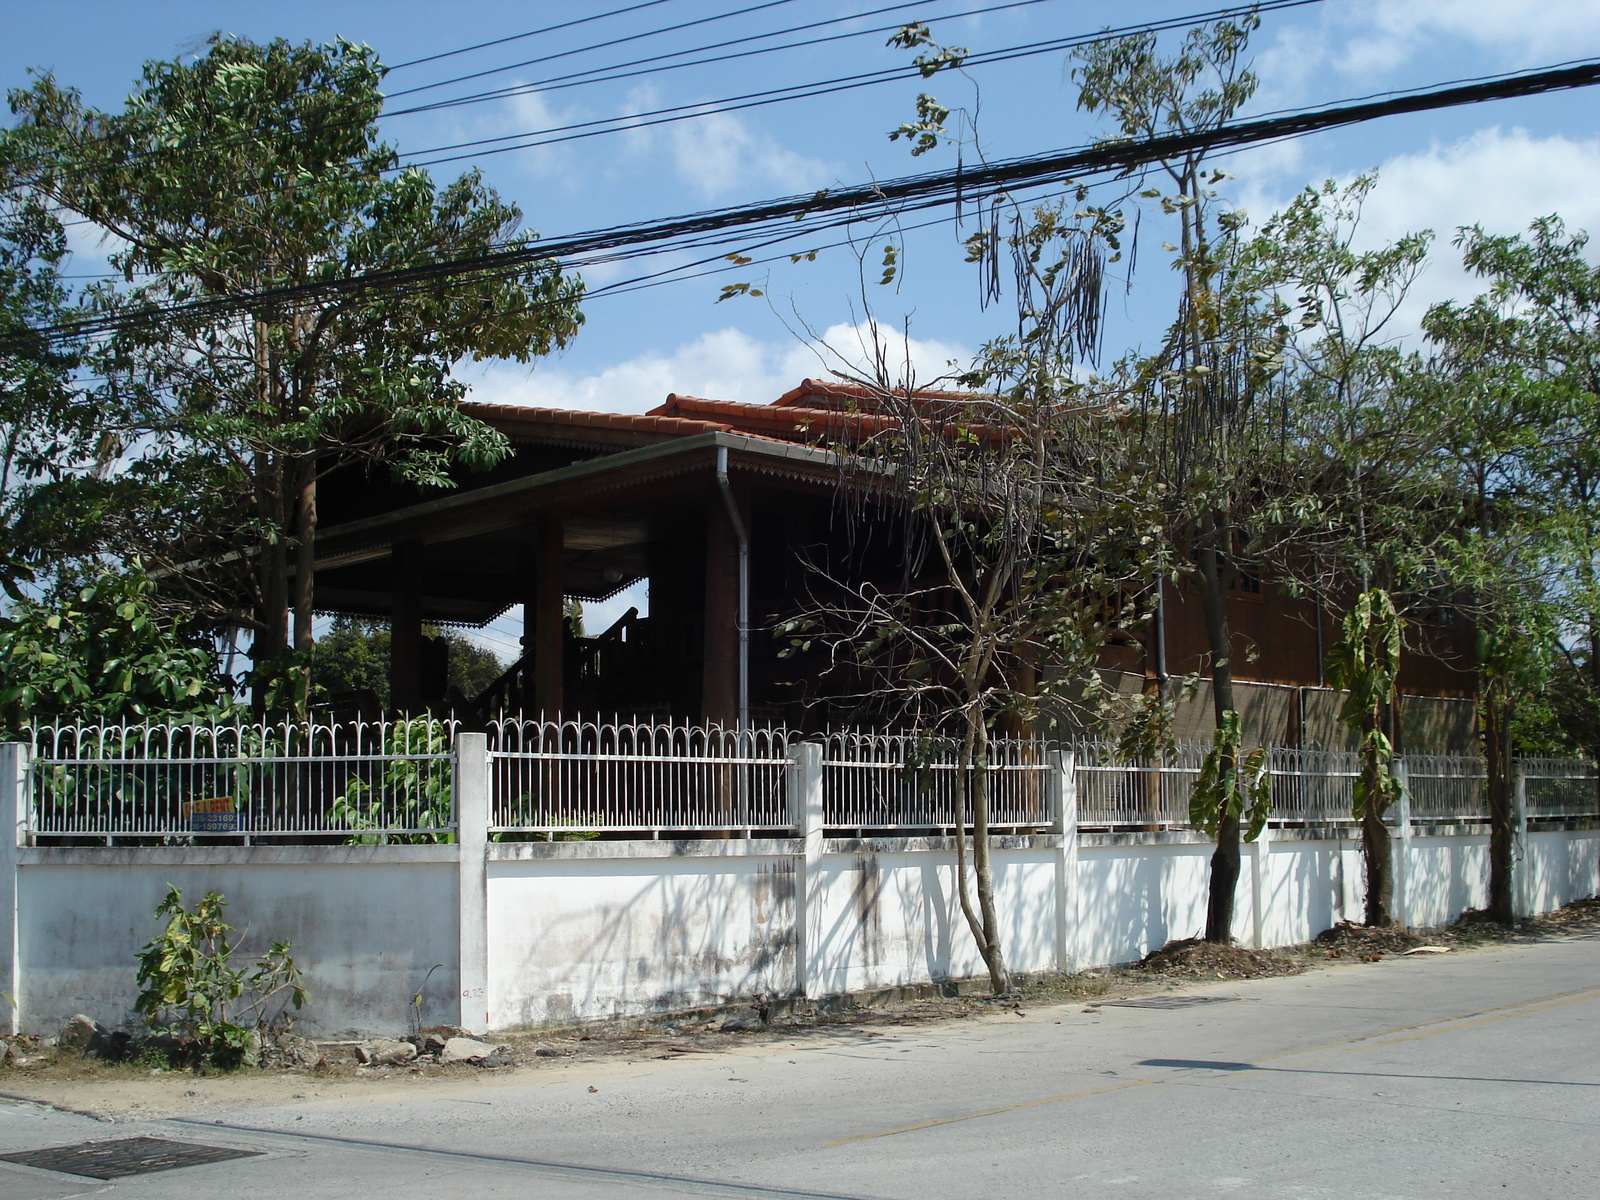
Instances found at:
x=385 y=1053
x=464 y=1049
x=79 y=1036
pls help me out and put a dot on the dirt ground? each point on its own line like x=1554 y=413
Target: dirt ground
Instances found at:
x=133 y=1091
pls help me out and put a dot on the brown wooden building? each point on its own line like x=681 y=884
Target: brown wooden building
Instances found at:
x=721 y=506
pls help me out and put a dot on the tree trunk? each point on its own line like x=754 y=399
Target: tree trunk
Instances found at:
x=983 y=868
x=1497 y=753
x=1225 y=858
x=305 y=557
x=272 y=570
x=982 y=920
x=1376 y=847
x=1377 y=853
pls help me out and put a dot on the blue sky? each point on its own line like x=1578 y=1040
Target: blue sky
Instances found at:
x=1501 y=164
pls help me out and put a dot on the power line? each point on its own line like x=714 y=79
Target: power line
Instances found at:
x=517 y=37
x=753 y=100
x=632 y=37
x=658 y=63
x=585 y=78
x=664 y=116
x=192 y=145
x=851 y=204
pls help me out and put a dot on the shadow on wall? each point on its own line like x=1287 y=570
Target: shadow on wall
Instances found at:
x=1133 y=903
x=582 y=939
x=1446 y=876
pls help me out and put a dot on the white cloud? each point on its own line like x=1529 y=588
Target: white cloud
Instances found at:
x=1364 y=39
x=516 y=118
x=91 y=246
x=726 y=364
x=1499 y=179
x=716 y=153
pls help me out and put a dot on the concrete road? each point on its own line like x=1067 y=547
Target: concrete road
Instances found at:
x=1463 y=1075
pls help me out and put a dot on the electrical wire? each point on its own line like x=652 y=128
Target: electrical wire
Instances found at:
x=844 y=206
x=752 y=100
x=584 y=78
x=517 y=37
x=632 y=37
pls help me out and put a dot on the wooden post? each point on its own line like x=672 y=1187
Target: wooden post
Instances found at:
x=405 y=627
x=719 y=691
x=544 y=615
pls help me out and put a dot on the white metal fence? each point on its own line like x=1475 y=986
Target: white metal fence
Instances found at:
x=563 y=779
x=875 y=781
x=1114 y=791
x=362 y=781
x=372 y=781
x=1559 y=787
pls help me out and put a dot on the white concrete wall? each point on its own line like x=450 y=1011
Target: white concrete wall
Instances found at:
x=1562 y=867
x=585 y=930
x=1310 y=885
x=1447 y=875
x=1135 y=898
x=365 y=923
x=889 y=915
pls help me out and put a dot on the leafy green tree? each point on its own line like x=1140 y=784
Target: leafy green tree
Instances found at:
x=353 y=656
x=1355 y=511
x=40 y=424
x=1518 y=407
x=255 y=168
x=1200 y=421
x=101 y=652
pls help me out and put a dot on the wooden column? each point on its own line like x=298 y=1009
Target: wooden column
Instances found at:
x=719 y=689
x=405 y=627
x=544 y=615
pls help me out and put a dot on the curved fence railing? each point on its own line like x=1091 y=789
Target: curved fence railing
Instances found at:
x=352 y=780
x=1115 y=791
x=393 y=780
x=875 y=781
x=1559 y=787
x=569 y=778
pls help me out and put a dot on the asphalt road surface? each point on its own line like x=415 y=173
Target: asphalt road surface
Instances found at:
x=1464 y=1075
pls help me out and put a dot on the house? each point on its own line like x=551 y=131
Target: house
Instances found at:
x=726 y=509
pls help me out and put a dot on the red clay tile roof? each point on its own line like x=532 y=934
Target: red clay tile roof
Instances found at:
x=513 y=418
x=836 y=394
x=788 y=423
x=816 y=411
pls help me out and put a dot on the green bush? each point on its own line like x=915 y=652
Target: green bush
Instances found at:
x=189 y=987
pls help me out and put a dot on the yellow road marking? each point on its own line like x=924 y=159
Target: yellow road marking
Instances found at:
x=1349 y=1045
x=989 y=1112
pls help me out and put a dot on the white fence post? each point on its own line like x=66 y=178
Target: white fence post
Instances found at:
x=1260 y=849
x=472 y=847
x=1521 y=883
x=14 y=801
x=1400 y=845
x=805 y=811
x=1062 y=782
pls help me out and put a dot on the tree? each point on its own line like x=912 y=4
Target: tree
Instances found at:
x=99 y=652
x=39 y=422
x=1016 y=544
x=1353 y=507
x=353 y=656
x=1200 y=423
x=1516 y=410
x=253 y=168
